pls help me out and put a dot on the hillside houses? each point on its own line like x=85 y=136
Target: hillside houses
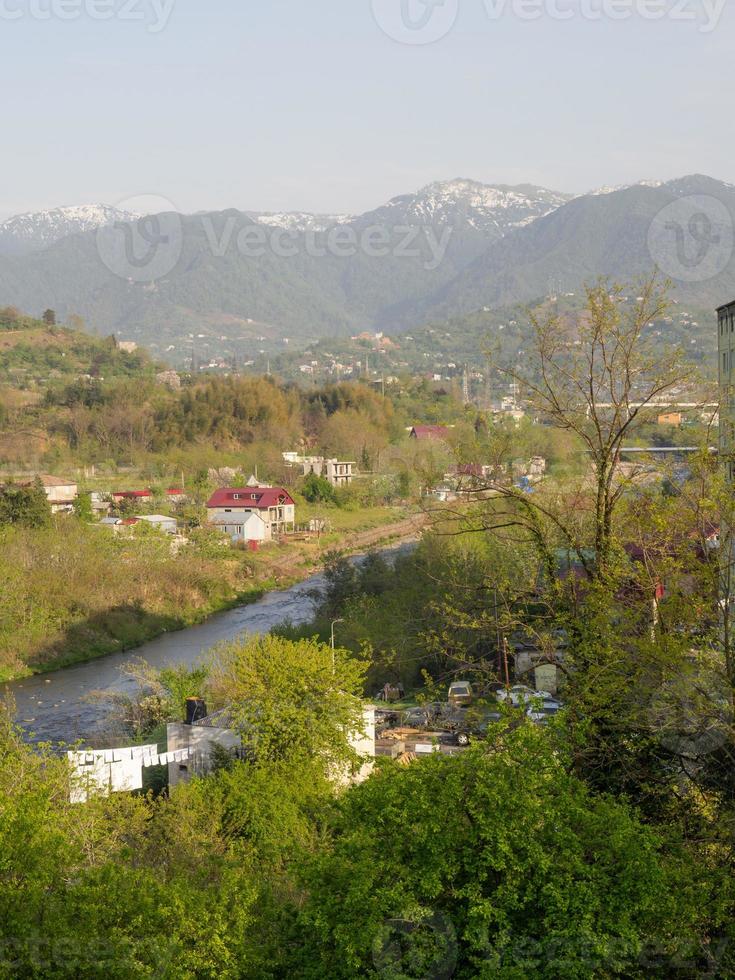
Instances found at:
x=60 y=493
x=254 y=514
x=430 y=433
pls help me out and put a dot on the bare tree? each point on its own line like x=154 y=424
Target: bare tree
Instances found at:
x=597 y=375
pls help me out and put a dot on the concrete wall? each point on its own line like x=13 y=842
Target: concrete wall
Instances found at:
x=200 y=739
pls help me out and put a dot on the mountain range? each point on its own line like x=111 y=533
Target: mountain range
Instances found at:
x=27 y=233
x=242 y=280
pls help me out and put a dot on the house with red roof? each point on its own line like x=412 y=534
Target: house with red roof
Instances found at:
x=430 y=432
x=252 y=513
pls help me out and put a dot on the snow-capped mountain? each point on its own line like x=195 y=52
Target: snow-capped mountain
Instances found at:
x=298 y=220
x=490 y=209
x=33 y=232
x=613 y=189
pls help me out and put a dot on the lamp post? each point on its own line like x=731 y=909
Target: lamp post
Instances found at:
x=334 y=623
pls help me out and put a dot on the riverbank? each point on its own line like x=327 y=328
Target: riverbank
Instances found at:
x=77 y=597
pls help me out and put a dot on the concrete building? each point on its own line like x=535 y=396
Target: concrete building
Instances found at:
x=60 y=493
x=337 y=472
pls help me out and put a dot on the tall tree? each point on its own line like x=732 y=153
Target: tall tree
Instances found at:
x=25 y=506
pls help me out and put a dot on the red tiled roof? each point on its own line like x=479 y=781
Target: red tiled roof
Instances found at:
x=250 y=498
x=174 y=492
x=429 y=431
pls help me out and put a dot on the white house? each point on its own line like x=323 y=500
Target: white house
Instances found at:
x=248 y=526
x=160 y=521
x=252 y=513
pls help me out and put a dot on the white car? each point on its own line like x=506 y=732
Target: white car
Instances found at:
x=543 y=710
x=516 y=694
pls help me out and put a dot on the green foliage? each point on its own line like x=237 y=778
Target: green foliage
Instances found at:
x=318 y=490
x=497 y=863
x=291 y=700
x=83 y=507
x=79 y=590
x=24 y=506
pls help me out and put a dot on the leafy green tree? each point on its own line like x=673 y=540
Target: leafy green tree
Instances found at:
x=49 y=318
x=291 y=700
x=25 y=506
x=83 y=507
x=318 y=490
x=495 y=863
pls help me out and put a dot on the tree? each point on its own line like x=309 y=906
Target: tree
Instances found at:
x=318 y=490
x=49 y=318
x=83 y=507
x=595 y=377
x=495 y=863
x=25 y=506
x=291 y=700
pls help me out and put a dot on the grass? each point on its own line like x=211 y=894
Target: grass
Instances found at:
x=85 y=620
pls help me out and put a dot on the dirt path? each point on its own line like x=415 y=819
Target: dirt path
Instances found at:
x=402 y=531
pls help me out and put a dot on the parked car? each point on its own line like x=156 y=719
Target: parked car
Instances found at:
x=542 y=709
x=519 y=693
x=460 y=693
x=467 y=724
x=426 y=715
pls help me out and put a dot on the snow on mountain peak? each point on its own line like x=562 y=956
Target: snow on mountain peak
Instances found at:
x=40 y=229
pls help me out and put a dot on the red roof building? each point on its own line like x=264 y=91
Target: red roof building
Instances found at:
x=435 y=432
x=274 y=505
x=131 y=494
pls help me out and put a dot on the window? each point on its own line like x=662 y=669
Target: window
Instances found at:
x=236 y=496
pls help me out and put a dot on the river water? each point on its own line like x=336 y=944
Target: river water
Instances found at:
x=55 y=707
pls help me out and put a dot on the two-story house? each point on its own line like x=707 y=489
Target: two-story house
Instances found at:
x=252 y=513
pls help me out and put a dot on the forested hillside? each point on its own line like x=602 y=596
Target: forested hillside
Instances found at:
x=231 y=285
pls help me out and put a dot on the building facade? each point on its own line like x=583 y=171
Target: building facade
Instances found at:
x=252 y=513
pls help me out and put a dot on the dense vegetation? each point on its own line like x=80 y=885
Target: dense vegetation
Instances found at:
x=596 y=845
x=74 y=591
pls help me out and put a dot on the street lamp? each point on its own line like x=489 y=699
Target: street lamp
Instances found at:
x=334 y=623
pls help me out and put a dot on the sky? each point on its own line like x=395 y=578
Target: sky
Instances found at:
x=338 y=105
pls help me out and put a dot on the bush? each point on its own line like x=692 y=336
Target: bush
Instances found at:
x=318 y=490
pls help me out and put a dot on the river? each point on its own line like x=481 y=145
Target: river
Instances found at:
x=54 y=707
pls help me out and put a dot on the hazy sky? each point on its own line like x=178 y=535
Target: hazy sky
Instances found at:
x=309 y=104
